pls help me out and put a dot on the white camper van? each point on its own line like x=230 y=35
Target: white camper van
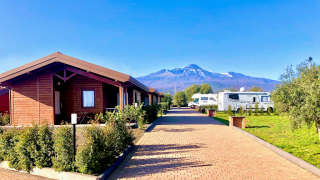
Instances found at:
x=204 y=99
x=244 y=99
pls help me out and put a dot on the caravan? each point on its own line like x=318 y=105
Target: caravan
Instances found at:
x=244 y=99
x=204 y=100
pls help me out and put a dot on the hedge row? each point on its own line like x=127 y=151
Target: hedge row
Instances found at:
x=43 y=146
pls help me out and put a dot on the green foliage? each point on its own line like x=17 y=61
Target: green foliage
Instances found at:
x=167 y=98
x=205 y=88
x=180 y=99
x=298 y=95
x=241 y=111
x=151 y=112
x=256 y=109
x=7 y=143
x=191 y=90
x=4 y=119
x=232 y=89
x=229 y=111
x=26 y=147
x=250 y=110
x=63 y=147
x=256 y=89
x=44 y=153
x=269 y=111
x=261 y=111
x=94 y=156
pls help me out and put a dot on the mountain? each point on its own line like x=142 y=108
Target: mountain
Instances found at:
x=165 y=80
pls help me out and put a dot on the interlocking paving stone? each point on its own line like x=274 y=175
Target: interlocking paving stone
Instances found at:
x=6 y=174
x=188 y=145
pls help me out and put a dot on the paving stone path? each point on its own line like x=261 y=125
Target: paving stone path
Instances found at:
x=6 y=174
x=186 y=144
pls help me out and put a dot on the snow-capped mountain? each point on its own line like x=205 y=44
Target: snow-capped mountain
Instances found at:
x=165 y=80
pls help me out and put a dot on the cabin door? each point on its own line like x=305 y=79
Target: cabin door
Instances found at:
x=57 y=103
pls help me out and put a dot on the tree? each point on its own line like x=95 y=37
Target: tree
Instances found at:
x=232 y=89
x=167 y=98
x=205 y=88
x=298 y=95
x=179 y=99
x=256 y=89
x=191 y=90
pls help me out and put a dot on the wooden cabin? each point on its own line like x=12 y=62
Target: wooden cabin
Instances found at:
x=53 y=87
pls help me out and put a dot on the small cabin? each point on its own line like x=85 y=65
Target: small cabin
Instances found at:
x=55 y=86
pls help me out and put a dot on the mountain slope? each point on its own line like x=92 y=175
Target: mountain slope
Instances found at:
x=165 y=80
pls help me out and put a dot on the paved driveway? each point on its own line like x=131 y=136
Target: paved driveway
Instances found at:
x=187 y=145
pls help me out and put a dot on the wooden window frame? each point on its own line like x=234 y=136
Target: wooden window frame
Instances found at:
x=95 y=97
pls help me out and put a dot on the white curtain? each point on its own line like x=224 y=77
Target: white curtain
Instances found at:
x=57 y=102
x=88 y=98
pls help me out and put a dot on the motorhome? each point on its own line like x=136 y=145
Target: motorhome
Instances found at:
x=204 y=100
x=244 y=99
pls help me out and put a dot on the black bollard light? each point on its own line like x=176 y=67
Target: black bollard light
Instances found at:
x=74 y=122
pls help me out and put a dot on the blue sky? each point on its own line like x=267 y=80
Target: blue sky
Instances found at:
x=256 y=38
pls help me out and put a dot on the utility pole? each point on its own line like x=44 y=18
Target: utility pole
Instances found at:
x=175 y=88
x=310 y=60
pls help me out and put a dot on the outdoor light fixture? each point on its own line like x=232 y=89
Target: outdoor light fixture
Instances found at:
x=74 y=122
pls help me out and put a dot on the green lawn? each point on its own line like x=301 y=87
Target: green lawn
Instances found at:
x=303 y=143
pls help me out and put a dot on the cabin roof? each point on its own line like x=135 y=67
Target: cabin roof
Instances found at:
x=68 y=60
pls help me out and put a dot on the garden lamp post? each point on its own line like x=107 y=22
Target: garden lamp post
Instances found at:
x=74 y=122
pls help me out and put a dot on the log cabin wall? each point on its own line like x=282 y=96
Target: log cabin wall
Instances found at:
x=81 y=83
x=32 y=99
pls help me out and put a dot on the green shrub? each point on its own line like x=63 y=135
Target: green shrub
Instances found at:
x=4 y=119
x=13 y=157
x=229 y=111
x=241 y=111
x=94 y=156
x=7 y=142
x=261 y=111
x=250 y=110
x=44 y=153
x=63 y=147
x=256 y=109
x=26 y=147
x=151 y=112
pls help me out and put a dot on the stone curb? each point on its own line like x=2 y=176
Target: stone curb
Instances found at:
x=294 y=159
x=153 y=125
x=111 y=168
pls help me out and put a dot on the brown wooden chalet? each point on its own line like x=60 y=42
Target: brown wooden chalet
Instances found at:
x=53 y=87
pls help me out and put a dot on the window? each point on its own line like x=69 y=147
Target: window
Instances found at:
x=234 y=96
x=88 y=99
x=254 y=99
x=204 y=98
x=211 y=98
x=196 y=101
x=264 y=99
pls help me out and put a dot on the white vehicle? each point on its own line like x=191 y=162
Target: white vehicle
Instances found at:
x=244 y=99
x=204 y=99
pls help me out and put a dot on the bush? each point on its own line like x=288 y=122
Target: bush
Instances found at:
x=93 y=156
x=26 y=147
x=63 y=147
x=229 y=111
x=256 y=109
x=261 y=111
x=250 y=111
x=7 y=143
x=151 y=112
x=45 y=152
x=4 y=119
x=241 y=111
